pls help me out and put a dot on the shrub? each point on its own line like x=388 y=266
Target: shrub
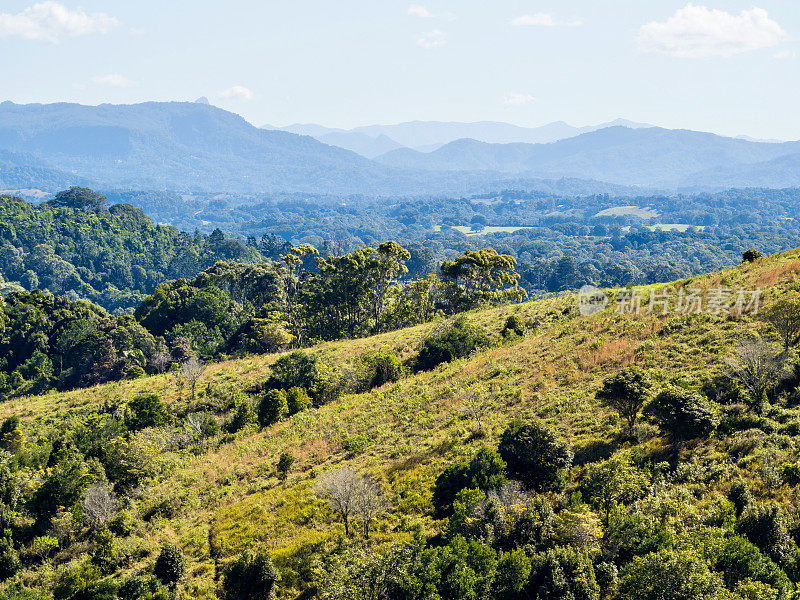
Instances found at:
x=667 y=575
x=170 y=565
x=243 y=414
x=146 y=410
x=751 y=255
x=766 y=526
x=297 y=400
x=682 y=414
x=740 y=496
x=739 y=560
x=379 y=367
x=456 y=339
x=285 y=462
x=321 y=381
x=272 y=408
x=535 y=455
x=9 y=558
x=137 y=587
x=513 y=326
x=250 y=577
x=105 y=555
x=485 y=471
x=563 y=573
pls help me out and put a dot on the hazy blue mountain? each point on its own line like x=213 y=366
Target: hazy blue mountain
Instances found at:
x=781 y=172
x=426 y=136
x=647 y=156
x=20 y=171
x=360 y=143
x=184 y=146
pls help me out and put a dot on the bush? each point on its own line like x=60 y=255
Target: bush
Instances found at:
x=682 y=414
x=563 y=573
x=137 y=587
x=667 y=575
x=513 y=326
x=170 y=565
x=297 y=400
x=766 y=526
x=243 y=415
x=485 y=471
x=379 y=367
x=751 y=255
x=105 y=556
x=146 y=410
x=285 y=462
x=535 y=455
x=457 y=339
x=272 y=408
x=739 y=560
x=250 y=577
x=9 y=558
x=321 y=381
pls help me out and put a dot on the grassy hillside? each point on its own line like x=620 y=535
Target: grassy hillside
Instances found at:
x=216 y=501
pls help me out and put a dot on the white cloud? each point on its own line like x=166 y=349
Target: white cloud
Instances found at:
x=419 y=11
x=50 y=21
x=432 y=40
x=701 y=32
x=516 y=99
x=543 y=20
x=239 y=92
x=113 y=80
x=784 y=54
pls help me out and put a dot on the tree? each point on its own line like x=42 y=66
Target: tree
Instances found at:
x=285 y=462
x=756 y=367
x=626 y=392
x=480 y=276
x=682 y=414
x=350 y=493
x=170 y=565
x=767 y=526
x=739 y=561
x=297 y=400
x=272 y=408
x=784 y=316
x=370 y=502
x=486 y=471
x=513 y=572
x=751 y=255
x=81 y=198
x=668 y=575
x=613 y=481
x=535 y=454
x=563 y=573
x=192 y=371
x=147 y=410
x=252 y=576
x=99 y=504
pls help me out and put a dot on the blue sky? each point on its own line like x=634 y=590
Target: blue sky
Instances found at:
x=730 y=67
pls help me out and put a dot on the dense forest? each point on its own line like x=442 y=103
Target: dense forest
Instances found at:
x=560 y=241
x=75 y=244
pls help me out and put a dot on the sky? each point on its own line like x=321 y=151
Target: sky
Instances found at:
x=729 y=67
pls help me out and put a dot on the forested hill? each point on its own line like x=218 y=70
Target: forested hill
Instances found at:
x=612 y=456
x=113 y=256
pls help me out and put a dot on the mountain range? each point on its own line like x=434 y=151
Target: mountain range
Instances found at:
x=425 y=136
x=196 y=147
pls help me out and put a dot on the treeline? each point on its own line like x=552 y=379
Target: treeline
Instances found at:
x=76 y=245
x=235 y=308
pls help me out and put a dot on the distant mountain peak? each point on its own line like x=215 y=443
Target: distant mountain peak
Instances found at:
x=202 y=100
